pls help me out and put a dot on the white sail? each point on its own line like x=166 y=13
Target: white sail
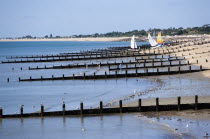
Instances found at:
x=152 y=41
x=133 y=43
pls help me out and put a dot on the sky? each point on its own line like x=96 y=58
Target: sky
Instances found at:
x=73 y=17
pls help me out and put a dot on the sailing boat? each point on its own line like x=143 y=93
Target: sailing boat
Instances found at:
x=133 y=43
x=154 y=43
x=159 y=39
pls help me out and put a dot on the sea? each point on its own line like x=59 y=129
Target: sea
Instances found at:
x=53 y=93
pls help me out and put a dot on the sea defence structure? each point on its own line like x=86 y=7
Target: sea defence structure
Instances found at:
x=176 y=59
x=180 y=106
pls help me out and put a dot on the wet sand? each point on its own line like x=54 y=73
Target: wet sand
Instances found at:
x=189 y=124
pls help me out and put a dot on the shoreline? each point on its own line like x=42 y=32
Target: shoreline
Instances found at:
x=69 y=39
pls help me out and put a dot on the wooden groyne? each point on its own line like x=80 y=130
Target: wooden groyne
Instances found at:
x=118 y=75
x=180 y=106
x=102 y=56
x=137 y=61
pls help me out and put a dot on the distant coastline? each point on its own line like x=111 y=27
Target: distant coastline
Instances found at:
x=69 y=39
x=111 y=39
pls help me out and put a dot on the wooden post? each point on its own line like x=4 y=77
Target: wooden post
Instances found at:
x=21 y=110
x=179 y=103
x=105 y=74
x=81 y=108
x=157 y=104
x=64 y=108
x=190 y=68
x=136 y=72
x=101 y=107
x=168 y=70
x=196 y=102
x=1 y=112
x=84 y=75
x=120 y=105
x=42 y=110
x=201 y=68
x=140 y=109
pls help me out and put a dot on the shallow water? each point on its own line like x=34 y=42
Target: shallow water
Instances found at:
x=53 y=93
x=94 y=127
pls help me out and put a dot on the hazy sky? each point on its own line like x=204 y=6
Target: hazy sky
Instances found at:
x=68 y=17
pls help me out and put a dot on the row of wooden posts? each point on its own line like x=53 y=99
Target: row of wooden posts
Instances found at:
x=100 y=109
x=116 y=75
x=78 y=58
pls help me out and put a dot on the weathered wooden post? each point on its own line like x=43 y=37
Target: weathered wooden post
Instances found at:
x=168 y=70
x=1 y=112
x=84 y=75
x=42 y=110
x=81 y=108
x=120 y=105
x=101 y=107
x=140 y=109
x=105 y=74
x=157 y=104
x=147 y=72
x=196 y=102
x=64 y=108
x=21 y=110
x=136 y=72
x=179 y=103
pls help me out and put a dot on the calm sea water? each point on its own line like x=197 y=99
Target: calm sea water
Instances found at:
x=53 y=93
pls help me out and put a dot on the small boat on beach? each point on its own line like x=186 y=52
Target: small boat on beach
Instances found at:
x=154 y=43
x=133 y=43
